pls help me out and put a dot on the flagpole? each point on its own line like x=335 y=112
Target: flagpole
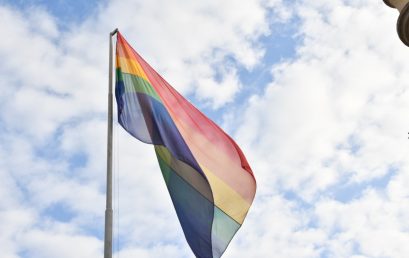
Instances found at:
x=108 y=210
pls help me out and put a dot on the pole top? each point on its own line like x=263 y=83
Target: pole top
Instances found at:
x=116 y=30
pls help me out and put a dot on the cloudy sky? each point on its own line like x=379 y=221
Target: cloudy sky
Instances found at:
x=314 y=91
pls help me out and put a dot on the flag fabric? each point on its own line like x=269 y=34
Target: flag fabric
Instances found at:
x=207 y=175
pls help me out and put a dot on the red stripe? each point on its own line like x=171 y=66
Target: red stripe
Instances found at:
x=185 y=111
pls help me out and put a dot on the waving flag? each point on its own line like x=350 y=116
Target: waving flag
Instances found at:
x=209 y=180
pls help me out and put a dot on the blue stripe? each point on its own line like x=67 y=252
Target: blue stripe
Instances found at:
x=147 y=119
x=194 y=211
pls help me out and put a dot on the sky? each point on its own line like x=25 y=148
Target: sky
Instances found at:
x=315 y=92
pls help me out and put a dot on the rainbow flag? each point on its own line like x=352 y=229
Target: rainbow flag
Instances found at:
x=209 y=180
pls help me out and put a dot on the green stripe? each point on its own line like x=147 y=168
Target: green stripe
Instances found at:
x=223 y=230
x=186 y=172
x=164 y=167
x=224 y=227
x=136 y=84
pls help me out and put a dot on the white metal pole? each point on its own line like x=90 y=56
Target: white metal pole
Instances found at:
x=108 y=210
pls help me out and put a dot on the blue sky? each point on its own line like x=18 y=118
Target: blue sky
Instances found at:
x=314 y=92
x=74 y=11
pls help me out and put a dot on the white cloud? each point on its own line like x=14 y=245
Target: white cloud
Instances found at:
x=333 y=91
x=50 y=243
x=52 y=119
x=373 y=226
x=188 y=42
x=276 y=227
x=14 y=222
x=334 y=116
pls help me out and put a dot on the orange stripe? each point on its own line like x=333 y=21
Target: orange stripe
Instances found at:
x=131 y=66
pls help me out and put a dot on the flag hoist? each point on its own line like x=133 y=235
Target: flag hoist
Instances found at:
x=207 y=175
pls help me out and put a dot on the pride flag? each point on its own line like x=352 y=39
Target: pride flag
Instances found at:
x=209 y=180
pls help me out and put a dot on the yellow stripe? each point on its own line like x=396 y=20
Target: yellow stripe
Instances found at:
x=228 y=200
x=206 y=153
x=224 y=197
x=131 y=66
